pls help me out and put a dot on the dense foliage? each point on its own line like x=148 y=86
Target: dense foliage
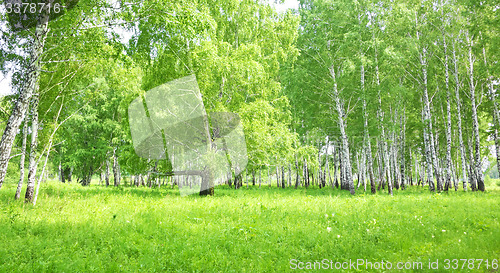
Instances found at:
x=380 y=92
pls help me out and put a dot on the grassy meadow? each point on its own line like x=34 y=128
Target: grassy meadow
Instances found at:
x=126 y=229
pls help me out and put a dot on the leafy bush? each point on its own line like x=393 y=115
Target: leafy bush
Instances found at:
x=487 y=180
x=12 y=175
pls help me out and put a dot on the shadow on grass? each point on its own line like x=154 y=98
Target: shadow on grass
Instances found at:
x=61 y=190
x=56 y=189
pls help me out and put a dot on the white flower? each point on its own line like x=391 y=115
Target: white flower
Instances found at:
x=367 y=230
x=443 y=230
x=459 y=240
x=432 y=236
x=326 y=215
x=328 y=229
x=333 y=214
x=465 y=232
x=338 y=236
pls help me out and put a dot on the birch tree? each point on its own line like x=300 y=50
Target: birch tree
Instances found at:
x=458 y=102
x=28 y=88
x=477 y=165
x=346 y=156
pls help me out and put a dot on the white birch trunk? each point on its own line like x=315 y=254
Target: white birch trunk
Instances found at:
x=106 y=174
x=459 y=118
x=367 y=141
x=33 y=147
x=116 y=171
x=477 y=166
x=403 y=151
x=22 y=160
x=448 y=118
x=346 y=161
x=428 y=139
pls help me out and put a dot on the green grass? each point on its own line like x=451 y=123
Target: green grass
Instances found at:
x=98 y=229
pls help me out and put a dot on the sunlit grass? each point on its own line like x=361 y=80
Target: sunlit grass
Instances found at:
x=82 y=229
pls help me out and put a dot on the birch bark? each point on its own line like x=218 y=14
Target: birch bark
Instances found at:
x=345 y=143
x=477 y=168
x=28 y=89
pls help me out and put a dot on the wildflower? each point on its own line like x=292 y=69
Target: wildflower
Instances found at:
x=338 y=236
x=328 y=229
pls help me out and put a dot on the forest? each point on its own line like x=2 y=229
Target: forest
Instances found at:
x=352 y=110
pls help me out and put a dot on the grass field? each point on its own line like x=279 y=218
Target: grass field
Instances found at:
x=98 y=229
